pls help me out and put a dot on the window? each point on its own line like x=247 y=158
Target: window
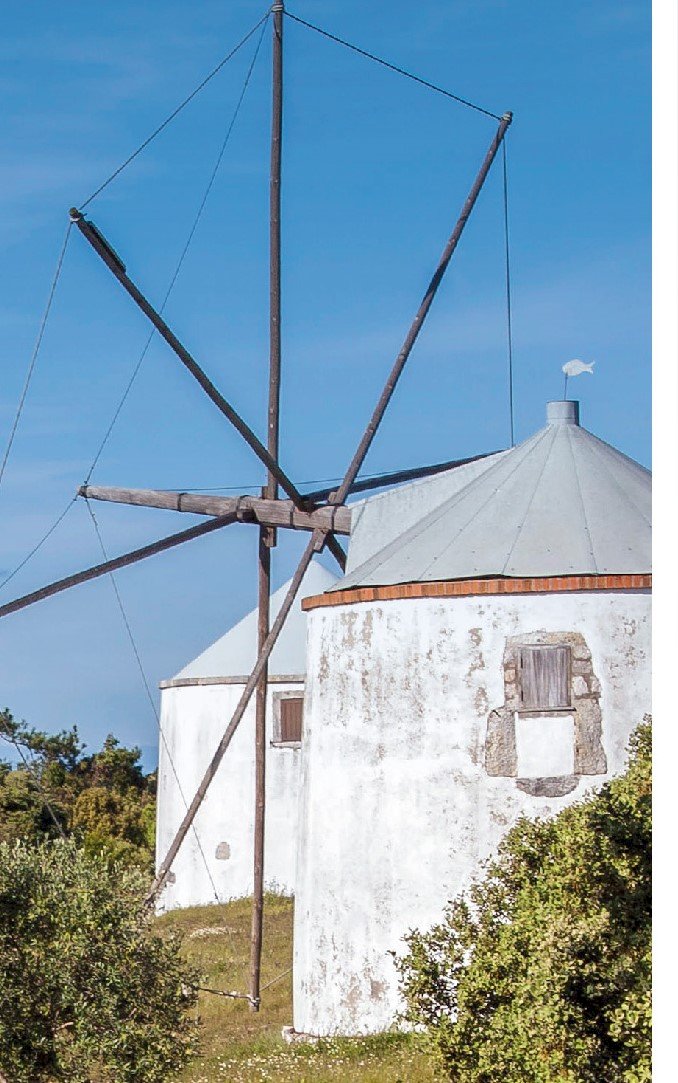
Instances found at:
x=544 y=678
x=288 y=713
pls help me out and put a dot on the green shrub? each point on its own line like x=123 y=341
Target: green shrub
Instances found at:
x=541 y=973
x=88 y=992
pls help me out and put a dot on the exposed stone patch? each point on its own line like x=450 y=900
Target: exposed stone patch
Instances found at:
x=222 y=852
x=500 y=744
x=548 y=787
x=589 y=754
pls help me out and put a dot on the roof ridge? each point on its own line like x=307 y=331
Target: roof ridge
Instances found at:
x=373 y=562
x=555 y=431
x=450 y=503
x=601 y=458
x=581 y=499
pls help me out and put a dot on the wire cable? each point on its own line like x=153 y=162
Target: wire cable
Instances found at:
x=39 y=545
x=392 y=67
x=184 y=252
x=509 y=320
x=170 y=118
x=36 y=351
x=137 y=656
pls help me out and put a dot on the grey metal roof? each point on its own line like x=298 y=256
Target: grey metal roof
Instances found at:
x=235 y=653
x=561 y=503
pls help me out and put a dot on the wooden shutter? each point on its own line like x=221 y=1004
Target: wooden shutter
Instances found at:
x=544 y=677
x=291 y=713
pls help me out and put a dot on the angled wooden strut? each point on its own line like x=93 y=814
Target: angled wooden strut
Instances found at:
x=104 y=249
x=317 y=540
x=117 y=562
x=107 y=253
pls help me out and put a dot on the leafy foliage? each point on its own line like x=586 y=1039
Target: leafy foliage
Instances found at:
x=541 y=973
x=88 y=992
x=104 y=800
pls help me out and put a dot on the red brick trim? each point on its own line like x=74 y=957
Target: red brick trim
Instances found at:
x=459 y=588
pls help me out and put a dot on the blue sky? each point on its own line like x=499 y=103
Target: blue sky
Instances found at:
x=375 y=171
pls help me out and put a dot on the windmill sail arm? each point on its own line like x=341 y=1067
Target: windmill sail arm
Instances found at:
x=117 y=562
x=275 y=513
x=104 y=249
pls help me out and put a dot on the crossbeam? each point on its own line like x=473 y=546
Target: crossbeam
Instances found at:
x=270 y=513
x=397 y=476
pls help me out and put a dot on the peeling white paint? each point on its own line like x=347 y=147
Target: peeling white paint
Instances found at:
x=397 y=810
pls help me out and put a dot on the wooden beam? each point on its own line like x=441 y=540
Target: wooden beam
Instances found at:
x=104 y=249
x=315 y=543
x=397 y=476
x=422 y=312
x=117 y=562
x=267 y=535
x=253 y=509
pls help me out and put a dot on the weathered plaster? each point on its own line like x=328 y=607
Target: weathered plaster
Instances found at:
x=397 y=809
x=193 y=719
x=589 y=756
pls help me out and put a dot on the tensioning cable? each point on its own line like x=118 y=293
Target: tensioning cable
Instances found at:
x=144 y=679
x=509 y=321
x=393 y=67
x=182 y=257
x=174 y=113
x=36 y=351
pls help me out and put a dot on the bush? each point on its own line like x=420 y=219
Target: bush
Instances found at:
x=88 y=992
x=541 y=973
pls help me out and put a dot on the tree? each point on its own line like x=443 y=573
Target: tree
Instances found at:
x=88 y=991
x=541 y=973
x=104 y=799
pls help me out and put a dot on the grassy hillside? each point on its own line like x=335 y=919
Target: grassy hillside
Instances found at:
x=240 y=1046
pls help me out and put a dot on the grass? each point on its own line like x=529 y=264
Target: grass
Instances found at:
x=241 y=1046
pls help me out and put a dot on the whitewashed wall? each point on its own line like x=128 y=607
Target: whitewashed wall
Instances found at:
x=396 y=808
x=193 y=720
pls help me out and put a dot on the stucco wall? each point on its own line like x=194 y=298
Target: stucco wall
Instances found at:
x=193 y=719
x=397 y=808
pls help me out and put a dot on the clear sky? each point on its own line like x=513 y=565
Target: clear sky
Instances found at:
x=375 y=171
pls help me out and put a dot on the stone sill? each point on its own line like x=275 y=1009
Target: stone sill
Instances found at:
x=285 y=744
x=543 y=712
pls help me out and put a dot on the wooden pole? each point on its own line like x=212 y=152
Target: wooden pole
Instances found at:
x=382 y=480
x=422 y=312
x=102 y=247
x=315 y=543
x=251 y=509
x=117 y=562
x=105 y=250
x=267 y=536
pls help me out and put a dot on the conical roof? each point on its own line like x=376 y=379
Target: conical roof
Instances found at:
x=561 y=503
x=235 y=653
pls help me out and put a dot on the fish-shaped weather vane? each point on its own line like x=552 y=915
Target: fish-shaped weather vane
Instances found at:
x=575 y=368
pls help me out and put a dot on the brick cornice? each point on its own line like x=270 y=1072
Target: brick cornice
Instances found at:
x=461 y=588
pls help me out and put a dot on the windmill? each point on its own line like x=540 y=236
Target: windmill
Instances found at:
x=324 y=515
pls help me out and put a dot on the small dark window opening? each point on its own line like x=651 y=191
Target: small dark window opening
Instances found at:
x=291 y=714
x=544 y=678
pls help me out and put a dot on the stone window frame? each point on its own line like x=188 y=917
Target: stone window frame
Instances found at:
x=585 y=691
x=277 y=698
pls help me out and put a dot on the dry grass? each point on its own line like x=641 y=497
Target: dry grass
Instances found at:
x=240 y=1046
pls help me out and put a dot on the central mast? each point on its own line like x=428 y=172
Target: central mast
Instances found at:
x=267 y=535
